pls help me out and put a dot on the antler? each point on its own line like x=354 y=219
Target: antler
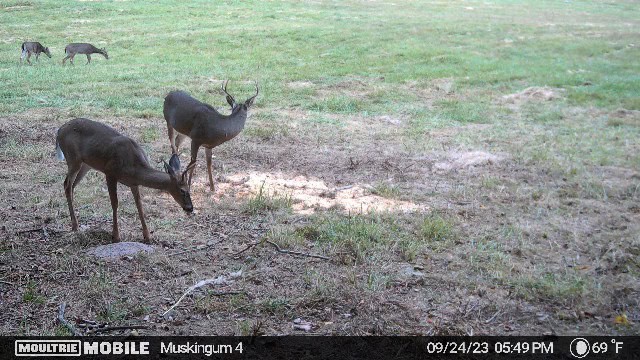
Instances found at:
x=224 y=89
x=254 y=96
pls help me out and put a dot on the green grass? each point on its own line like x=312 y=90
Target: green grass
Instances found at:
x=386 y=190
x=266 y=201
x=170 y=44
x=366 y=58
x=434 y=227
x=560 y=288
x=369 y=237
x=32 y=295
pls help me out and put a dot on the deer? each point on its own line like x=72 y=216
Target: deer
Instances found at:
x=34 y=47
x=86 y=144
x=188 y=117
x=82 y=48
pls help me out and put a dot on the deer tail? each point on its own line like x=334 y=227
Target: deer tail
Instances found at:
x=59 y=153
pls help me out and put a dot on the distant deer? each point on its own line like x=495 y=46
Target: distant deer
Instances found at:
x=87 y=144
x=29 y=48
x=205 y=126
x=82 y=48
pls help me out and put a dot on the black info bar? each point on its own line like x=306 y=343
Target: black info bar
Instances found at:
x=323 y=347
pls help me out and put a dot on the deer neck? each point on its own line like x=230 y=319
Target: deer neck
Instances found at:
x=154 y=179
x=234 y=123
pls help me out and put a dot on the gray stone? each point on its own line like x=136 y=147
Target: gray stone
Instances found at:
x=119 y=249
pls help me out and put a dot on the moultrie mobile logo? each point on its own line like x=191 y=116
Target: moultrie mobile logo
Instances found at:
x=48 y=348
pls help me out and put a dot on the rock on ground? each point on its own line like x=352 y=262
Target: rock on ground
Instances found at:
x=119 y=249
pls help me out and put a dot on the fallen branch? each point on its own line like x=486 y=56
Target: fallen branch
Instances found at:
x=219 y=280
x=295 y=252
x=42 y=228
x=223 y=293
x=248 y=247
x=64 y=322
x=115 y=328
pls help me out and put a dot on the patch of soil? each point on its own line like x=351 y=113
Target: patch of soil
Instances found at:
x=464 y=160
x=300 y=84
x=309 y=194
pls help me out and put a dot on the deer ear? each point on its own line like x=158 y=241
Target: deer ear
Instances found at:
x=230 y=100
x=174 y=163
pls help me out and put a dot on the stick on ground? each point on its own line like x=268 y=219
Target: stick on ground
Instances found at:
x=217 y=281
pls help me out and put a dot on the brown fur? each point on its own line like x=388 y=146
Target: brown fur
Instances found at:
x=87 y=145
x=29 y=48
x=205 y=126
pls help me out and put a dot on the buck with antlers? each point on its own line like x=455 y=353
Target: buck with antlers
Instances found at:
x=87 y=144
x=205 y=126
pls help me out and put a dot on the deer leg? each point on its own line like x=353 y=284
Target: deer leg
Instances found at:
x=71 y=58
x=37 y=56
x=72 y=173
x=29 y=57
x=194 y=155
x=22 y=56
x=112 y=185
x=208 y=154
x=65 y=59
x=81 y=173
x=88 y=59
x=179 y=140
x=172 y=138
x=136 y=195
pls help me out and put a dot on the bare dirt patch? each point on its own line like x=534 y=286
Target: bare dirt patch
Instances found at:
x=300 y=84
x=534 y=93
x=466 y=160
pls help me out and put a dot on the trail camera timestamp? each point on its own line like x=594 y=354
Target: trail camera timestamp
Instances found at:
x=485 y=347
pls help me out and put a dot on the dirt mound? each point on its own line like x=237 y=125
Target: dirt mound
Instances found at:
x=467 y=160
x=534 y=93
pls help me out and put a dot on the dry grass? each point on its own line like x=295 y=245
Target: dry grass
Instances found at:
x=504 y=249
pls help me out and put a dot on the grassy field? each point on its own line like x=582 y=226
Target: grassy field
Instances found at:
x=468 y=167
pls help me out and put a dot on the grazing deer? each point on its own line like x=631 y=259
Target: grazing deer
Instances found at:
x=205 y=126
x=35 y=47
x=82 y=48
x=87 y=144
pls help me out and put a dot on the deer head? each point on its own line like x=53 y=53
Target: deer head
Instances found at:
x=47 y=52
x=104 y=52
x=180 y=184
x=234 y=105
